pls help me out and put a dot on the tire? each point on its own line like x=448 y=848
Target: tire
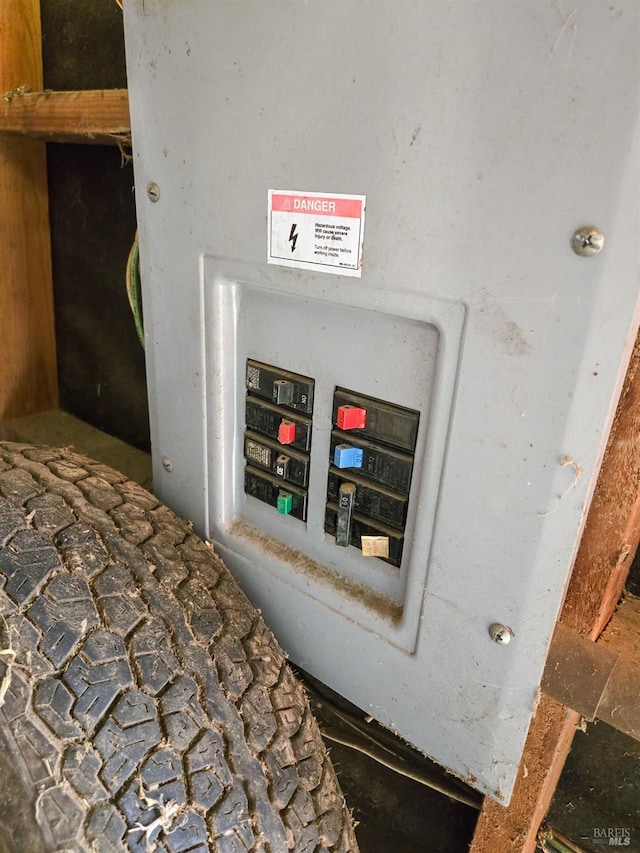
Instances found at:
x=145 y=706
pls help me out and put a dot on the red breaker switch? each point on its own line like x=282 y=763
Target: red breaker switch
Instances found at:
x=351 y=417
x=286 y=431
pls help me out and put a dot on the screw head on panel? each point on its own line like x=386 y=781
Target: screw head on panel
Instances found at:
x=167 y=464
x=587 y=241
x=153 y=191
x=500 y=633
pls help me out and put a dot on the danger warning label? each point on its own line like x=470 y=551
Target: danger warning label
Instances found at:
x=316 y=231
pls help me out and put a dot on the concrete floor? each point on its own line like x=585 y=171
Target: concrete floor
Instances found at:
x=59 y=429
x=599 y=790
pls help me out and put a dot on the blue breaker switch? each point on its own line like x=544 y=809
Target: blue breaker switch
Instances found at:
x=346 y=456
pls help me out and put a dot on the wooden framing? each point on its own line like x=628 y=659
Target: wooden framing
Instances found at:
x=100 y=117
x=622 y=634
x=28 y=383
x=28 y=375
x=600 y=680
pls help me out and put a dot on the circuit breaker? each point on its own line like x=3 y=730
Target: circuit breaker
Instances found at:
x=277 y=472
x=390 y=272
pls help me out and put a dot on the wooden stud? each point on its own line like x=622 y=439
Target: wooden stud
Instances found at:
x=612 y=532
x=622 y=634
x=28 y=376
x=609 y=541
x=514 y=829
x=99 y=117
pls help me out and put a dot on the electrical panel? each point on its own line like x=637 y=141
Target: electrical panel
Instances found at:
x=382 y=359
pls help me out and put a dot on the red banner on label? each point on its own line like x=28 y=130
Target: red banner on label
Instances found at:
x=349 y=208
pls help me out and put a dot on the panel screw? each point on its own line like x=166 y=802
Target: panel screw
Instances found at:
x=167 y=464
x=500 y=633
x=587 y=241
x=153 y=191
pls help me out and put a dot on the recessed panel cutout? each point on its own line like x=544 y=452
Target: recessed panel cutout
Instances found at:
x=298 y=430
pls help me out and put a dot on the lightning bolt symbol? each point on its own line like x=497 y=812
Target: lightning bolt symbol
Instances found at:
x=293 y=237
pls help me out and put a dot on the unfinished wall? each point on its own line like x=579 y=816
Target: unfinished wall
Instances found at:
x=100 y=361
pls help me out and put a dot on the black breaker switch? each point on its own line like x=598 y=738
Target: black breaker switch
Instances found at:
x=283 y=392
x=376 y=462
x=285 y=427
x=371 y=499
x=281 y=387
x=287 y=501
x=282 y=465
x=361 y=526
x=292 y=465
x=346 y=498
x=376 y=420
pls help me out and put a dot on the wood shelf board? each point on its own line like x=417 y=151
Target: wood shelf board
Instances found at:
x=98 y=116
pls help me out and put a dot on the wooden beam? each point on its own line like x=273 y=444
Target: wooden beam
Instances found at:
x=99 y=117
x=595 y=680
x=609 y=541
x=28 y=377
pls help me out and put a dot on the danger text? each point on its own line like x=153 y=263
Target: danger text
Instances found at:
x=316 y=205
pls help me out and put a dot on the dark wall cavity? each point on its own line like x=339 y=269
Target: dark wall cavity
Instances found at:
x=91 y=202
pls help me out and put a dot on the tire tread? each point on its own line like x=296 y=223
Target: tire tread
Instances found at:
x=163 y=709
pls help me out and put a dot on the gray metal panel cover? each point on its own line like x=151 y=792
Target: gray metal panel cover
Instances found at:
x=482 y=134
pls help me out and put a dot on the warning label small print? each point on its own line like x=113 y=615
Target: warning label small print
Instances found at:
x=316 y=231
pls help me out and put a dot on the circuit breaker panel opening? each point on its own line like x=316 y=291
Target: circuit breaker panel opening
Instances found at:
x=369 y=469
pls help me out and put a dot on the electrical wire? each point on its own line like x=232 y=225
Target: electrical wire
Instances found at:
x=395 y=765
x=552 y=841
x=133 y=288
x=379 y=744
